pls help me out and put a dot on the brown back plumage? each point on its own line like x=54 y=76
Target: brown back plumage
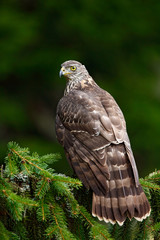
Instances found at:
x=91 y=128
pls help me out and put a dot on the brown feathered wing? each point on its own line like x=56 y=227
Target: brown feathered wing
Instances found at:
x=92 y=130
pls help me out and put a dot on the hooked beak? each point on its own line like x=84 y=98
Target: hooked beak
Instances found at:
x=64 y=72
x=61 y=72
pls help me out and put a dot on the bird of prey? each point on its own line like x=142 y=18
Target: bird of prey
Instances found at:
x=92 y=130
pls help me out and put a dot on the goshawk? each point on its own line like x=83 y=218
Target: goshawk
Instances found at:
x=92 y=129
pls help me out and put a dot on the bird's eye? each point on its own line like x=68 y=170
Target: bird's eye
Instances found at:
x=73 y=68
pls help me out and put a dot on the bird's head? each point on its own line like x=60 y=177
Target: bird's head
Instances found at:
x=73 y=70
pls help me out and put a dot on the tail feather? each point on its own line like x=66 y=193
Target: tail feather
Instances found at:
x=115 y=201
x=108 y=208
x=103 y=207
x=98 y=208
x=123 y=198
x=116 y=209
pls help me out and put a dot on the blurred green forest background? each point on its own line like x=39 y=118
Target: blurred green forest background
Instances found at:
x=118 y=41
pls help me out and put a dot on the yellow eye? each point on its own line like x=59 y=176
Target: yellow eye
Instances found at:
x=73 y=68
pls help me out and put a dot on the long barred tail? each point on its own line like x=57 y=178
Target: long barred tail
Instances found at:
x=123 y=199
x=115 y=209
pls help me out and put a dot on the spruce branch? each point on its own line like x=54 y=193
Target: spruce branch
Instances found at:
x=150 y=185
x=97 y=231
x=38 y=203
x=56 y=221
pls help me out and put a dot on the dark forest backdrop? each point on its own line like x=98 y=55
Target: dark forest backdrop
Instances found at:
x=118 y=41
